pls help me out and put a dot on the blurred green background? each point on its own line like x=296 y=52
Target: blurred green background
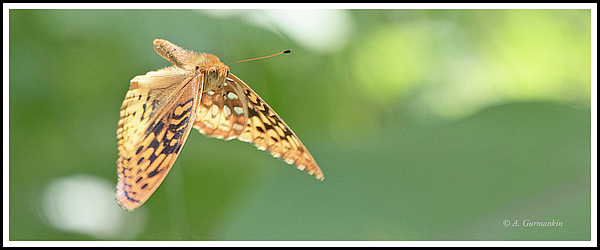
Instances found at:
x=428 y=125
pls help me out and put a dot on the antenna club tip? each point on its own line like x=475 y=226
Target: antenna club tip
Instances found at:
x=287 y=51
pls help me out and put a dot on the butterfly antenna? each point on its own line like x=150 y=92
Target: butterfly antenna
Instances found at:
x=283 y=52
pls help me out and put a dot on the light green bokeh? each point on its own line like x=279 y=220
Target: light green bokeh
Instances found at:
x=512 y=55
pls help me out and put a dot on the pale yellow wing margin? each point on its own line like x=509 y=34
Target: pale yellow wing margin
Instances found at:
x=155 y=122
x=236 y=111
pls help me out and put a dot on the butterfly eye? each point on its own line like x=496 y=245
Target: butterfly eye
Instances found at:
x=197 y=67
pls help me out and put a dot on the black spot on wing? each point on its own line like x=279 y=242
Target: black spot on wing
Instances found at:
x=252 y=112
x=129 y=197
x=268 y=126
x=184 y=113
x=144 y=112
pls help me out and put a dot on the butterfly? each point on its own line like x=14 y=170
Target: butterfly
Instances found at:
x=198 y=91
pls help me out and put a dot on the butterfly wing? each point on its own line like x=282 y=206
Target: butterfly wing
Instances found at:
x=236 y=111
x=154 y=124
x=220 y=113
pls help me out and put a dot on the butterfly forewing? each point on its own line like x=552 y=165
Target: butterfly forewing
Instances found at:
x=236 y=111
x=155 y=122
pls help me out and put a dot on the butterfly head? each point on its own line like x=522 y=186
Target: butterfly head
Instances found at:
x=213 y=70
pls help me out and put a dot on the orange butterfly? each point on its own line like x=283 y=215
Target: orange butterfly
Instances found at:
x=162 y=106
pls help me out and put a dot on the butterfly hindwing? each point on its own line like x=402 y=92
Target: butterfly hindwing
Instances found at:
x=220 y=113
x=155 y=122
